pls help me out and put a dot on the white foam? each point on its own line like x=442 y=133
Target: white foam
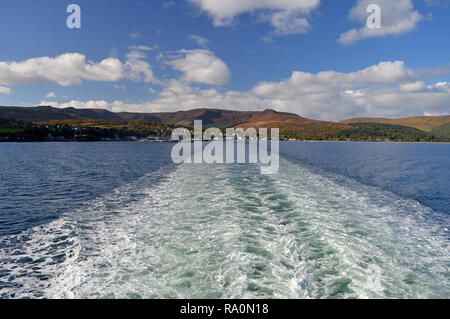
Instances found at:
x=228 y=232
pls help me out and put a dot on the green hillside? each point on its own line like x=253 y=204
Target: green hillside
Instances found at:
x=423 y=123
x=80 y=130
x=443 y=131
x=385 y=132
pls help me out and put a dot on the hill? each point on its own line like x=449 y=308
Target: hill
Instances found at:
x=385 y=133
x=292 y=126
x=423 y=123
x=48 y=113
x=82 y=130
x=210 y=117
x=443 y=131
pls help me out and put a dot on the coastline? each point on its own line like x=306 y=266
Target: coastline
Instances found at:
x=304 y=141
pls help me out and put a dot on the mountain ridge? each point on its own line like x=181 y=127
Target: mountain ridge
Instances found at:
x=290 y=124
x=209 y=116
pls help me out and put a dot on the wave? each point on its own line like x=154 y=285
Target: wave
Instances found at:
x=226 y=231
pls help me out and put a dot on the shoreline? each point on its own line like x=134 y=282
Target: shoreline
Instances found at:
x=165 y=142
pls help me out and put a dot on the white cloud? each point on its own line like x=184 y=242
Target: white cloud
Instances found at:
x=287 y=23
x=418 y=86
x=136 y=68
x=200 y=41
x=301 y=83
x=286 y=16
x=176 y=96
x=72 y=68
x=5 y=90
x=67 y=69
x=397 y=17
x=201 y=66
x=387 y=89
x=50 y=95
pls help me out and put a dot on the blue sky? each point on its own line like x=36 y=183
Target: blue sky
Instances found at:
x=291 y=55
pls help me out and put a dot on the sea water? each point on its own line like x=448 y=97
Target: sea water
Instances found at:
x=120 y=220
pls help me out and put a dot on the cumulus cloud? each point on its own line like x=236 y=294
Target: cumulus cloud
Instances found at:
x=5 y=90
x=176 y=96
x=72 y=69
x=397 y=17
x=201 y=66
x=286 y=23
x=387 y=89
x=418 y=86
x=286 y=16
x=301 y=83
x=67 y=69
x=308 y=83
x=136 y=67
x=50 y=95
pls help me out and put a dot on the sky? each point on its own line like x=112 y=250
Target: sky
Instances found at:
x=315 y=58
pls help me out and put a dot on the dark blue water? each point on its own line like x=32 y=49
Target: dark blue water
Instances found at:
x=40 y=181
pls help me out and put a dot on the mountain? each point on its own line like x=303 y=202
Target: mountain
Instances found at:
x=436 y=128
x=423 y=123
x=48 y=113
x=210 y=117
x=292 y=125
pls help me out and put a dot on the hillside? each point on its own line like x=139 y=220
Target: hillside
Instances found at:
x=423 y=123
x=48 y=113
x=82 y=130
x=443 y=130
x=292 y=126
x=210 y=117
x=385 y=132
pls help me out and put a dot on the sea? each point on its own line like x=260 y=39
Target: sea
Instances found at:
x=121 y=220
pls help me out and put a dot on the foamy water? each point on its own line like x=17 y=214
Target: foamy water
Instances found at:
x=226 y=231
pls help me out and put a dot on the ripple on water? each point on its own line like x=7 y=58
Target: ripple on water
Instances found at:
x=298 y=234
